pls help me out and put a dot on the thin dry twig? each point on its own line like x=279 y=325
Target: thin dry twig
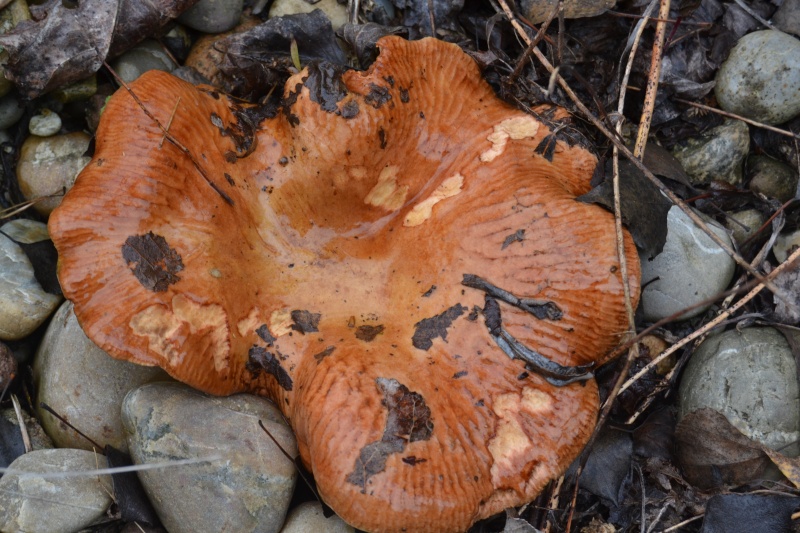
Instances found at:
x=675 y=199
x=739 y=117
x=23 y=428
x=652 y=80
x=169 y=122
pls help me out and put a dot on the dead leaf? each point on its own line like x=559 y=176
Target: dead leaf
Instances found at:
x=789 y=466
x=713 y=453
x=66 y=44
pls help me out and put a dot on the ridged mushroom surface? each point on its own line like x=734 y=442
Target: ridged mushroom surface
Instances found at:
x=371 y=258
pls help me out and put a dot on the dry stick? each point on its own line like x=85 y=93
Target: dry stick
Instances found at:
x=23 y=429
x=679 y=525
x=169 y=122
x=738 y=117
x=170 y=137
x=699 y=222
x=529 y=49
x=652 y=80
x=717 y=320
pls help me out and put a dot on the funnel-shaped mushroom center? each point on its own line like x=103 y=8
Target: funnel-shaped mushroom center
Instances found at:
x=397 y=259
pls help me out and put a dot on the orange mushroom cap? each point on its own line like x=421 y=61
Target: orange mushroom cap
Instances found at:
x=384 y=259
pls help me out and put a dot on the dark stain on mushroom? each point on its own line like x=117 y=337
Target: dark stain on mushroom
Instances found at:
x=229 y=179
x=324 y=353
x=428 y=329
x=242 y=133
x=152 y=261
x=517 y=236
x=547 y=147
x=404 y=95
x=413 y=460
x=287 y=104
x=377 y=96
x=541 y=309
x=259 y=359
x=408 y=420
x=305 y=321
x=265 y=335
x=382 y=137
x=325 y=86
x=349 y=109
x=427 y=293
x=368 y=333
x=460 y=374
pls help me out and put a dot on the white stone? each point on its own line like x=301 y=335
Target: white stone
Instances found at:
x=690 y=269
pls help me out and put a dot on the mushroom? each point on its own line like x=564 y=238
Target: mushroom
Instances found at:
x=396 y=258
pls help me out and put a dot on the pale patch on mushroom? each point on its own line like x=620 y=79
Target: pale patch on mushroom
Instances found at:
x=535 y=401
x=423 y=210
x=510 y=441
x=515 y=128
x=280 y=322
x=163 y=328
x=387 y=193
x=249 y=323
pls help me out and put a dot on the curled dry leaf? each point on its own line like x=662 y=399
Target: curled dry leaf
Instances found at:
x=713 y=453
x=350 y=259
x=70 y=41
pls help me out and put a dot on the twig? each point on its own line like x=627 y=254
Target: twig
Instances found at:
x=107 y=471
x=23 y=429
x=169 y=122
x=523 y=59
x=652 y=80
x=755 y=15
x=675 y=199
x=739 y=117
x=679 y=525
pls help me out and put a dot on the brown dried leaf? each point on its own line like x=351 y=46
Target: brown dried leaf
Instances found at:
x=789 y=466
x=712 y=452
x=69 y=43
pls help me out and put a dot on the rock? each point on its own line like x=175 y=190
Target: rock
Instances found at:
x=787 y=17
x=760 y=79
x=78 y=91
x=36 y=434
x=247 y=489
x=744 y=224
x=24 y=305
x=691 y=268
x=148 y=55
x=53 y=505
x=785 y=244
x=751 y=378
x=717 y=155
x=11 y=110
x=49 y=166
x=213 y=16
x=537 y=11
x=45 y=123
x=308 y=518
x=83 y=384
x=25 y=231
x=336 y=12
x=771 y=178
